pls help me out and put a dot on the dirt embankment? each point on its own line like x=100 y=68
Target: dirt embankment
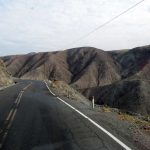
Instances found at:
x=5 y=77
x=62 y=89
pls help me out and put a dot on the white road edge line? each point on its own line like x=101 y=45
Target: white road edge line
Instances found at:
x=8 y=86
x=11 y=116
x=96 y=124
x=49 y=88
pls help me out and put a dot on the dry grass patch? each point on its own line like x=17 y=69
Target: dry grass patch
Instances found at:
x=106 y=109
x=141 y=124
x=65 y=90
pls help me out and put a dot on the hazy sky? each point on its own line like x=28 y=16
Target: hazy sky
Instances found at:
x=48 y=25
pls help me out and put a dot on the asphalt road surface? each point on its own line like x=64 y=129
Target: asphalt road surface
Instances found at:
x=33 y=119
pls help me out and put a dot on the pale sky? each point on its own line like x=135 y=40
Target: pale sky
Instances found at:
x=50 y=25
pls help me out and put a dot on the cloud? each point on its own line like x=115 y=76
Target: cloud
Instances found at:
x=37 y=25
x=148 y=9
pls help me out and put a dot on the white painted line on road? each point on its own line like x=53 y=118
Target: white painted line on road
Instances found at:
x=97 y=125
x=11 y=116
x=10 y=113
x=11 y=120
x=49 y=88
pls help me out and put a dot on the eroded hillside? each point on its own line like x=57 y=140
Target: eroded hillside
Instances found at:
x=82 y=67
x=5 y=77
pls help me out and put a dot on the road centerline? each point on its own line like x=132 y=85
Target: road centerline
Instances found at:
x=10 y=117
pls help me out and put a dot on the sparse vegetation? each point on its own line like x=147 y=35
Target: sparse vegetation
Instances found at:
x=64 y=90
x=106 y=108
x=141 y=124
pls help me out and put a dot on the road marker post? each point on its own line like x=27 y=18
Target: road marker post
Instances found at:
x=93 y=103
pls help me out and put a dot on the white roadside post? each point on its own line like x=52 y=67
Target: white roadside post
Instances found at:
x=93 y=102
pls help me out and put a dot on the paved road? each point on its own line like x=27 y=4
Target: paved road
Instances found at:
x=37 y=120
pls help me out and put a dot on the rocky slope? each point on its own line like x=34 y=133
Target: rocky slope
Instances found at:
x=116 y=78
x=61 y=89
x=134 y=63
x=127 y=95
x=132 y=92
x=82 y=67
x=5 y=77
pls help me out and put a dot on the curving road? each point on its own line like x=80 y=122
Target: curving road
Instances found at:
x=33 y=119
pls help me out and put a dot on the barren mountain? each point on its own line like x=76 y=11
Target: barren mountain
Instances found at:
x=134 y=63
x=132 y=92
x=117 y=78
x=82 y=67
x=5 y=77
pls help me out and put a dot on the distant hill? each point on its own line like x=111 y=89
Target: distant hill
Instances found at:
x=134 y=63
x=116 y=78
x=5 y=77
